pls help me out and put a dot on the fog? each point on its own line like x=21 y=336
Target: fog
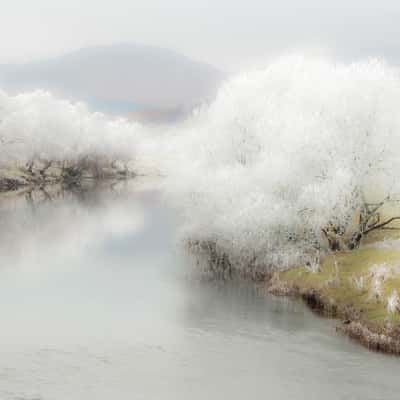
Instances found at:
x=228 y=34
x=284 y=127
x=280 y=152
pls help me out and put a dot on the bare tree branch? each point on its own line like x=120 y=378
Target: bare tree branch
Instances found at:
x=381 y=225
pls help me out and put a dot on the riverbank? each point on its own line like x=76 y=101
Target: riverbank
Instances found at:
x=40 y=172
x=359 y=287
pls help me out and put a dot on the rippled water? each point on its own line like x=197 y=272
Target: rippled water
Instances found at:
x=97 y=303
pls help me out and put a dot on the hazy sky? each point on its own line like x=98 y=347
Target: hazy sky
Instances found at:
x=226 y=33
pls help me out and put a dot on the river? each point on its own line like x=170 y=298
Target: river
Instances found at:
x=98 y=302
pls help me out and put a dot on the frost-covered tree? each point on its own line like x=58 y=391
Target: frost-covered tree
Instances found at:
x=289 y=161
x=38 y=125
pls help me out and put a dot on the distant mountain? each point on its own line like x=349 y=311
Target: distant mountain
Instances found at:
x=119 y=79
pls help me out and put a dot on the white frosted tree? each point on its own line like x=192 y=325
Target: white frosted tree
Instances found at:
x=38 y=125
x=289 y=161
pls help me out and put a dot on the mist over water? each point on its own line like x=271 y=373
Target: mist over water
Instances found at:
x=98 y=298
x=280 y=152
x=98 y=301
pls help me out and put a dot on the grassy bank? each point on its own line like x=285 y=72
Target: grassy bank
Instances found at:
x=361 y=287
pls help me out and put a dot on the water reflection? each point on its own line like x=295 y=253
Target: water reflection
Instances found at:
x=96 y=302
x=47 y=223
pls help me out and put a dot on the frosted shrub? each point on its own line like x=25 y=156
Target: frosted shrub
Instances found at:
x=376 y=289
x=381 y=271
x=313 y=266
x=393 y=302
x=284 y=152
x=38 y=125
x=358 y=283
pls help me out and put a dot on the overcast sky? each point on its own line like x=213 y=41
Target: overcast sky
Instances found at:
x=227 y=33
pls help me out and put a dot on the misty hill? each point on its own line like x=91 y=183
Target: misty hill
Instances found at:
x=118 y=79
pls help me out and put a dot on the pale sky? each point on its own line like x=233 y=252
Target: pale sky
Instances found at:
x=226 y=33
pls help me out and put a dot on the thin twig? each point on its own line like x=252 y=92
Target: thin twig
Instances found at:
x=381 y=225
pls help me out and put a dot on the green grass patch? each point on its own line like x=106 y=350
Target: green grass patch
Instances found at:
x=336 y=281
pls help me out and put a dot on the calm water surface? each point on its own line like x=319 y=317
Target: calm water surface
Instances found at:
x=96 y=302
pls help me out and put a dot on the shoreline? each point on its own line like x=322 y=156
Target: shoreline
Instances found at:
x=379 y=335
x=334 y=290
x=41 y=172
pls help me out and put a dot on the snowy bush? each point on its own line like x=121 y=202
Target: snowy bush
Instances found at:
x=382 y=271
x=358 y=283
x=313 y=266
x=38 y=125
x=393 y=302
x=284 y=153
x=376 y=288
